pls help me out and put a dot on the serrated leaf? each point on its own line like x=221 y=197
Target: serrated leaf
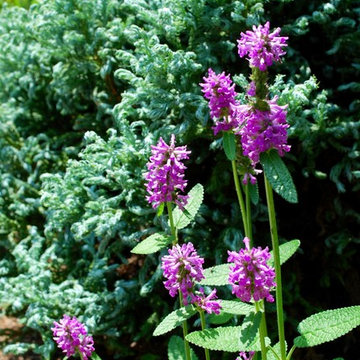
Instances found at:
x=278 y=175
x=219 y=319
x=229 y=143
x=176 y=349
x=174 y=319
x=327 y=326
x=287 y=250
x=183 y=218
x=270 y=354
x=153 y=243
x=229 y=338
x=236 y=307
x=216 y=275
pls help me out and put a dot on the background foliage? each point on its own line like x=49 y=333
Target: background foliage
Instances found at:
x=87 y=86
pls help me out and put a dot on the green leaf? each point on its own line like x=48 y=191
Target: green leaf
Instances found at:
x=287 y=250
x=278 y=175
x=236 y=307
x=151 y=244
x=229 y=143
x=216 y=275
x=270 y=354
x=160 y=209
x=229 y=338
x=327 y=326
x=219 y=319
x=174 y=319
x=176 y=349
x=95 y=356
x=183 y=218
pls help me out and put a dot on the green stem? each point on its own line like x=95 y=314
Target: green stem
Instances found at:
x=262 y=330
x=203 y=327
x=276 y=254
x=172 y=226
x=185 y=331
x=291 y=352
x=174 y=234
x=248 y=213
x=240 y=197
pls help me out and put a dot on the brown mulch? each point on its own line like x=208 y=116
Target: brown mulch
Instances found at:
x=11 y=328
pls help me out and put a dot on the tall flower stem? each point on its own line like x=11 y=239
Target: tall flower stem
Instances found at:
x=174 y=234
x=185 y=331
x=248 y=213
x=276 y=255
x=240 y=198
x=203 y=327
x=262 y=330
x=172 y=226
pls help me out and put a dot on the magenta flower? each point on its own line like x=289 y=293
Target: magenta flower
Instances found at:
x=246 y=356
x=206 y=303
x=252 y=89
x=182 y=267
x=262 y=47
x=71 y=337
x=251 y=276
x=263 y=130
x=166 y=174
x=219 y=90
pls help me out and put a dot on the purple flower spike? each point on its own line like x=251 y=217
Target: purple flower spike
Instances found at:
x=251 y=276
x=71 y=337
x=244 y=356
x=166 y=174
x=262 y=47
x=206 y=303
x=219 y=90
x=264 y=130
x=182 y=267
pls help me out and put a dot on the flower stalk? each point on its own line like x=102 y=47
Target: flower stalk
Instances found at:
x=276 y=256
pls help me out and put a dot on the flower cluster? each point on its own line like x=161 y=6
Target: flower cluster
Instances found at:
x=206 y=303
x=71 y=337
x=219 y=90
x=181 y=268
x=251 y=277
x=262 y=47
x=166 y=174
x=263 y=130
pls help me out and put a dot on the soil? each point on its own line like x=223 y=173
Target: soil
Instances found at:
x=10 y=328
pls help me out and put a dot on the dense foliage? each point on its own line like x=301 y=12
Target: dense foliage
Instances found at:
x=87 y=86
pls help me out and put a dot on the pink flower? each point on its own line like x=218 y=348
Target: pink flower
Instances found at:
x=251 y=276
x=182 y=267
x=206 y=303
x=71 y=337
x=244 y=356
x=262 y=47
x=219 y=90
x=263 y=130
x=166 y=174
